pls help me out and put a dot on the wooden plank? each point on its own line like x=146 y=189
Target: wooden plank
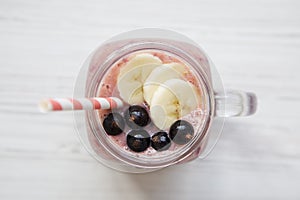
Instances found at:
x=255 y=46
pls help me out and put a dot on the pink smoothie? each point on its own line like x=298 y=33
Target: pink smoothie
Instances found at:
x=108 y=88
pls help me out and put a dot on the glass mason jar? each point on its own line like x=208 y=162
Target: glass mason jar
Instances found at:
x=217 y=104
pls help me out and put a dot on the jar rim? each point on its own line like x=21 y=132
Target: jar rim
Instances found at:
x=96 y=125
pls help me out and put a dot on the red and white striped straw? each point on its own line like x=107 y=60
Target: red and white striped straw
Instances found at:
x=96 y=103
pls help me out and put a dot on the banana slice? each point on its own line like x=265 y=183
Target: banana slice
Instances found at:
x=132 y=76
x=172 y=100
x=160 y=75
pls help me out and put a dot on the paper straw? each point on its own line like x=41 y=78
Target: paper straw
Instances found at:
x=64 y=104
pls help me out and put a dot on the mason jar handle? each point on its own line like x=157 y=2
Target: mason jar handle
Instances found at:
x=235 y=104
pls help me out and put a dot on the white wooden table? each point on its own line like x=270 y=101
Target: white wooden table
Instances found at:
x=255 y=46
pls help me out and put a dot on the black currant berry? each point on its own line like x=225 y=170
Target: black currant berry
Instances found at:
x=160 y=141
x=138 y=140
x=181 y=132
x=136 y=117
x=113 y=124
